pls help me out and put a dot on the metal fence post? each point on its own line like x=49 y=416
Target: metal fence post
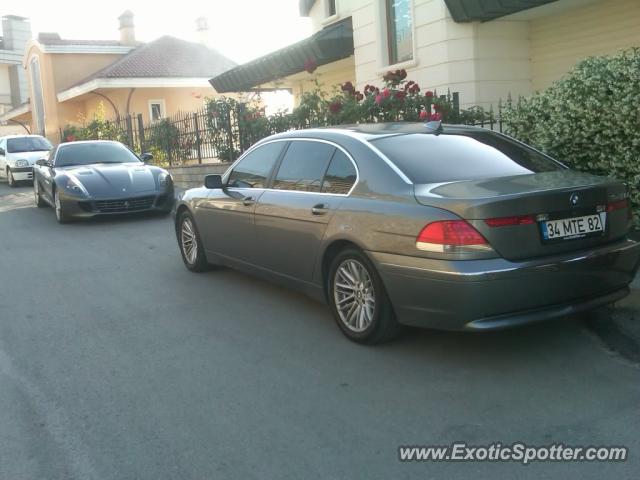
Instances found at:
x=230 y=131
x=141 y=133
x=129 y=125
x=197 y=129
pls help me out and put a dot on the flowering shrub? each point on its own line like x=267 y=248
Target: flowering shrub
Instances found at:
x=97 y=129
x=590 y=119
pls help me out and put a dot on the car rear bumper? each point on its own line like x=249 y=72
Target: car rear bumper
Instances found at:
x=497 y=293
x=86 y=208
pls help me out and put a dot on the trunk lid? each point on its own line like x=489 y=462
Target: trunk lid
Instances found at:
x=546 y=196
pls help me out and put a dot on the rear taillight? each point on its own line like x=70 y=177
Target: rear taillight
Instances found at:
x=450 y=236
x=510 y=221
x=619 y=205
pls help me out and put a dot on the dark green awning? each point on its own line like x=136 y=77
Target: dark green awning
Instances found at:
x=330 y=44
x=475 y=10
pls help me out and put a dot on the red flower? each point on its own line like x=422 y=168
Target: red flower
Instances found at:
x=436 y=117
x=335 y=107
x=310 y=65
x=428 y=94
x=400 y=95
x=379 y=99
x=385 y=92
x=438 y=107
x=424 y=115
x=70 y=138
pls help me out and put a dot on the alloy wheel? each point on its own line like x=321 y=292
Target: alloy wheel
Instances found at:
x=354 y=295
x=188 y=241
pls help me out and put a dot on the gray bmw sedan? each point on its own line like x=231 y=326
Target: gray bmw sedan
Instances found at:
x=439 y=226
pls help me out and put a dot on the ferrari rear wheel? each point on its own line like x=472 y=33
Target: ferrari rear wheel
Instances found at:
x=61 y=214
x=190 y=244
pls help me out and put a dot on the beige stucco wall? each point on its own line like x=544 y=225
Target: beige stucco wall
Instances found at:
x=175 y=99
x=482 y=61
x=559 y=41
x=69 y=69
x=5 y=88
x=485 y=61
x=329 y=78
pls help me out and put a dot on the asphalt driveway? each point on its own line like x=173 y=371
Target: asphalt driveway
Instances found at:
x=118 y=363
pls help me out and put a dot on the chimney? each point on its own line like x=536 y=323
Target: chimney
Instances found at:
x=127 y=30
x=202 y=30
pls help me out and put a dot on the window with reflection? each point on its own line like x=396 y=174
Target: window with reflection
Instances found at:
x=399 y=31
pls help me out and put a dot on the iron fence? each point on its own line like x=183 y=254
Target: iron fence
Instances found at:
x=220 y=135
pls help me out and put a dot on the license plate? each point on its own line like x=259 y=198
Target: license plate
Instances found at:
x=572 y=228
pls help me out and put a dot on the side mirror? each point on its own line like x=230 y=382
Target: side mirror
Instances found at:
x=146 y=157
x=2 y=152
x=43 y=162
x=213 y=181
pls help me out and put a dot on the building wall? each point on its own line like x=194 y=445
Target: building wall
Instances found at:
x=5 y=89
x=485 y=61
x=71 y=68
x=482 y=61
x=175 y=100
x=558 y=42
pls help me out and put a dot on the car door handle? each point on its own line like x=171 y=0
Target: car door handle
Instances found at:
x=319 y=209
x=248 y=201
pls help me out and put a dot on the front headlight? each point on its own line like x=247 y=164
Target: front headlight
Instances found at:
x=164 y=179
x=74 y=186
x=22 y=163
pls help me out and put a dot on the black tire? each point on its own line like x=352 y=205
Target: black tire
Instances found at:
x=383 y=326
x=61 y=215
x=195 y=262
x=10 y=180
x=40 y=203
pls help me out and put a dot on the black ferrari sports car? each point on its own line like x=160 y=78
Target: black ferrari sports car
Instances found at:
x=98 y=177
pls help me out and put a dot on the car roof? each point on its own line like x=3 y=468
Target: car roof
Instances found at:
x=84 y=142
x=374 y=131
x=20 y=136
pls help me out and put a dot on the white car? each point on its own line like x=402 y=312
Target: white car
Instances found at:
x=18 y=153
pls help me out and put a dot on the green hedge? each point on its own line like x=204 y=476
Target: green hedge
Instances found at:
x=589 y=120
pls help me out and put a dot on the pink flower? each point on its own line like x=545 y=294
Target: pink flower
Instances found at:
x=386 y=92
x=428 y=94
x=379 y=99
x=424 y=115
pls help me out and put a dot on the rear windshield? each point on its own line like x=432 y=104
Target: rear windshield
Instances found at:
x=28 y=144
x=427 y=158
x=87 y=153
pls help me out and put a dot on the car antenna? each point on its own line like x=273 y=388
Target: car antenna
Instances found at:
x=435 y=126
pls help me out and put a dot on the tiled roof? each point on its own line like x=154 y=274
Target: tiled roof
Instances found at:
x=167 y=57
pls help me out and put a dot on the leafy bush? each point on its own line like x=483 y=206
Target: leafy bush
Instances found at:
x=589 y=120
x=97 y=129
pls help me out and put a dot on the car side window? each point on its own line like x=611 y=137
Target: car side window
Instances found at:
x=303 y=166
x=254 y=169
x=340 y=176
